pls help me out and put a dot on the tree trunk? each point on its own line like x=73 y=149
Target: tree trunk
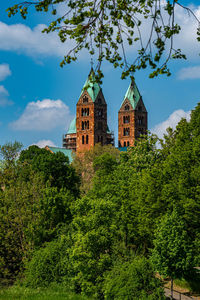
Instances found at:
x=171 y=288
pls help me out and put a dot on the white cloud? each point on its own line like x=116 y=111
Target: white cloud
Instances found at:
x=22 y=39
x=43 y=143
x=172 y=121
x=33 y=42
x=187 y=39
x=189 y=73
x=44 y=115
x=4 y=97
x=4 y=71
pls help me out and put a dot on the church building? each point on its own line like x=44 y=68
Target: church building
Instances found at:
x=90 y=125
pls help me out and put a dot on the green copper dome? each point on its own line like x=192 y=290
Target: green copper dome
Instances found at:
x=132 y=94
x=72 y=127
x=91 y=86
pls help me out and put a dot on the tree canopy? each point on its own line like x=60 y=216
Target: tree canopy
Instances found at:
x=141 y=207
x=106 y=28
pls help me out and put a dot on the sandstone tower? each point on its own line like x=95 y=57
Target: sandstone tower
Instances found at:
x=132 y=117
x=90 y=125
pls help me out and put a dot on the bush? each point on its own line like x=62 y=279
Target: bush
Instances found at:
x=48 y=264
x=133 y=280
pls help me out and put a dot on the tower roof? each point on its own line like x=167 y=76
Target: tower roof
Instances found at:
x=132 y=94
x=72 y=127
x=66 y=152
x=91 y=86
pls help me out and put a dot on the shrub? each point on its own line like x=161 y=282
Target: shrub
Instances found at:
x=48 y=264
x=133 y=280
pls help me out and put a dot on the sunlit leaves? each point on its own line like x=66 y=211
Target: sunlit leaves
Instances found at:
x=105 y=28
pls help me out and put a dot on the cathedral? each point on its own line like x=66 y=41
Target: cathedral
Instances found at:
x=90 y=125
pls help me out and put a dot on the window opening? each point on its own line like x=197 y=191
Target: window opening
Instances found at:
x=85 y=112
x=85 y=99
x=127 y=107
x=124 y=144
x=85 y=125
x=126 y=119
x=83 y=139
x=100 y=125
x=140 y=120
x=126 y=131
x=86 y=139
x=100 y=112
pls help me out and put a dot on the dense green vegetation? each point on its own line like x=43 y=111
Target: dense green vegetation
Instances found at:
x=54 y=292
x=105 y=237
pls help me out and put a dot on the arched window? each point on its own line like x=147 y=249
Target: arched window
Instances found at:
x=127 y=107
x=128 y=144
x=126 y=131
x=85 y=125
x=140 y=120
x=99 y=100
x=85 y=99
x=126 y=119
x=140 y=108
x=86 y=139
x=124 y=144
x=100 y=112
x=100 y=125
x=83 y=139
x=85 y=112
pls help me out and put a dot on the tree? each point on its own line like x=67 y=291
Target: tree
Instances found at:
x=19 y=213
x=84 y=164
x=108 y=27
x=55 y=168
x=133 y=279
x=10 y=151
x=37 y=192
x=172 y=254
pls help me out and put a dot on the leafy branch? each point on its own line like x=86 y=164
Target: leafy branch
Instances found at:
x=107 y=28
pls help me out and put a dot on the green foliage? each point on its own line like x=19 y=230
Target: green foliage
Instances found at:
x=52 y=292
x=31 y=211
x=54 y=168
x=48 y=264
x=87 y=243
x=84 y=164
x=172 y=254
x=19 y=210
x=192 y=284
x=10 y=151
x=54 y=212
x=132 y=280
x=109 y=27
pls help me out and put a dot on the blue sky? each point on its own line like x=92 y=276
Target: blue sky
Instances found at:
x=38 y=98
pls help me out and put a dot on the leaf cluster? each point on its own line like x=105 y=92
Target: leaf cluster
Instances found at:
x=108 y=28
